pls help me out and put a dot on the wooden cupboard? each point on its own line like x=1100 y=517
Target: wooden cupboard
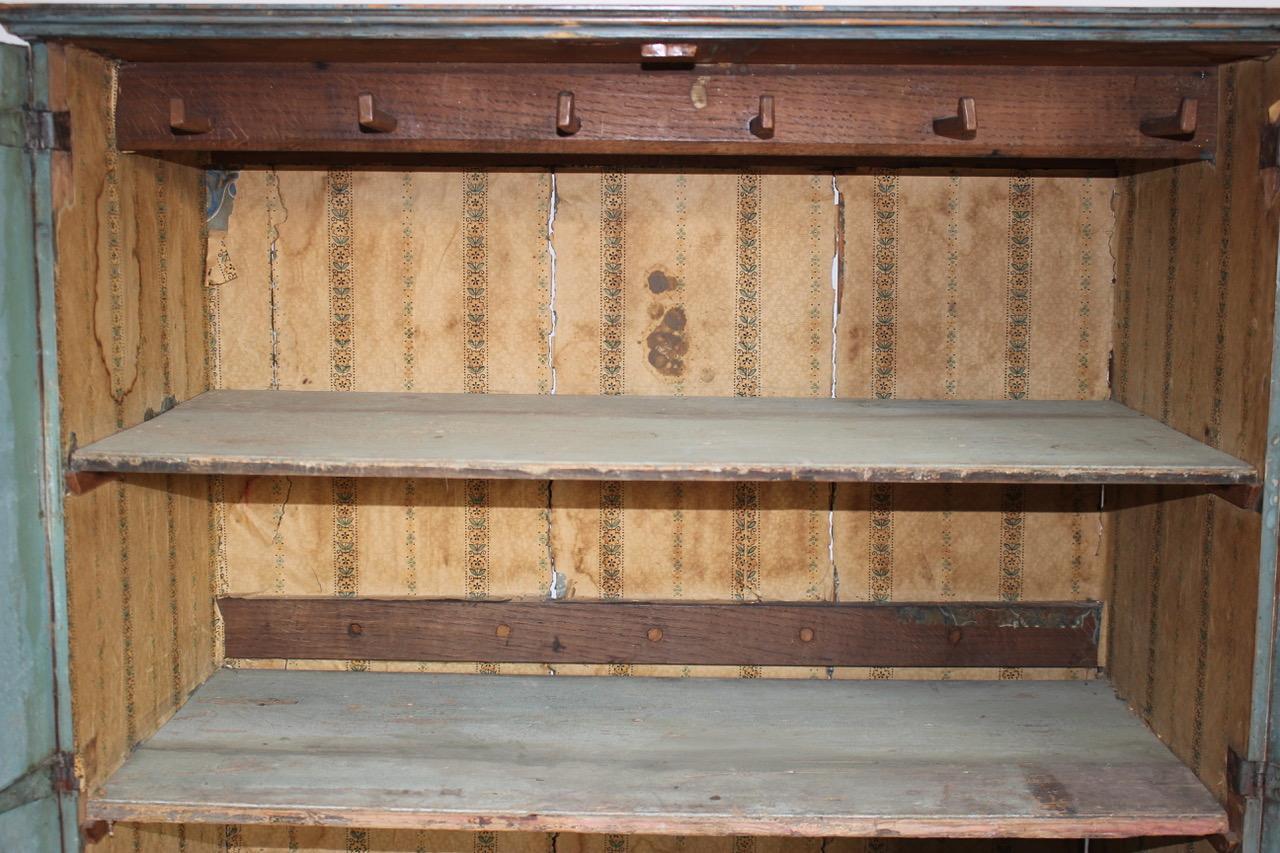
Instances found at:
x=477 y=428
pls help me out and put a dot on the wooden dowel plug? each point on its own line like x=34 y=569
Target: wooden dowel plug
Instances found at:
x=567 y=121
x=962 y=125
x=666 y=52
x=180 y=122
x=762 y=124
x=372 y=119
x=1180 y=125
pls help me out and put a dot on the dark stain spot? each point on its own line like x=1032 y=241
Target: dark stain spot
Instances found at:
x=667 y=343
x=666 y=351
x=556 y=645
x=660 y=282
x=1051 y=794
x=715 y=796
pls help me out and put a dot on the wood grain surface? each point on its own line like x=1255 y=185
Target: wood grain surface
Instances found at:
x=660 y=438
x=925 y=634
x=846 y=110
x=705 y=756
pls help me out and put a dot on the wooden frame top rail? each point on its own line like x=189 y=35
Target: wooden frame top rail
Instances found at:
x=617 y=32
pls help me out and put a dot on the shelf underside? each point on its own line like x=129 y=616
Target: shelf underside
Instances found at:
x=660 y=438
x=680 y=756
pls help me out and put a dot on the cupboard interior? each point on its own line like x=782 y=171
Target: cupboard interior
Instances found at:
x=1149 y=286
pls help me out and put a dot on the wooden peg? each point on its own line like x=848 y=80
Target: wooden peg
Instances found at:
x=372 y=119
x=762 y=124
x=567 y=121
x=962 y=125
x=180 y=122
x=1180 y=125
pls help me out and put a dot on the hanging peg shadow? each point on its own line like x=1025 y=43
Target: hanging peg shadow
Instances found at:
x=762 y=124
x=962 y=125
x=567 y=121
x=372 y=119
x=186 y=125
x=1180 y=125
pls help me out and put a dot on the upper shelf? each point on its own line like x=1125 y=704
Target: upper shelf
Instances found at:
x=262 y=110
x=364 y=434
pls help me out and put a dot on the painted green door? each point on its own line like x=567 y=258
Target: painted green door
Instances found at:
x=31 y=811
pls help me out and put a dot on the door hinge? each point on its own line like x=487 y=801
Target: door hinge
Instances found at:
x=1251 y=779
x=35 y=130
x=48 y=130
x=53 y=776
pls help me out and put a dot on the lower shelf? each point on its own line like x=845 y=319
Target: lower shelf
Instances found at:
x=676 y=756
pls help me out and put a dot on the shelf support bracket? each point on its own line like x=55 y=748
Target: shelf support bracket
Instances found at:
x=1246 y=496
x=82 y=482
x=1246 y=780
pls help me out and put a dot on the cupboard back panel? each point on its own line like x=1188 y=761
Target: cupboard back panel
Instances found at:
x=648 y=282
x=1196 y=282
x=130 y=334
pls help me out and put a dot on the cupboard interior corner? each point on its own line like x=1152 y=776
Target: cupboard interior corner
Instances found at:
x=1150 y=284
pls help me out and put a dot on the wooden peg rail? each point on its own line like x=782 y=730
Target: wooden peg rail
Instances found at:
x=626 y=109
x=929 y=634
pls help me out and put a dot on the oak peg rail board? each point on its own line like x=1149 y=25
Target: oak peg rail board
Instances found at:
x=815 y=111
x=1023 y=634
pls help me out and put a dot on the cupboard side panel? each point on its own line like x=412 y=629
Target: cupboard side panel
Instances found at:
x=1195 y=257
x=130 y=336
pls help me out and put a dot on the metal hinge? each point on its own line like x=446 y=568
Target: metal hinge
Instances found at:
x=48 y=130
x=1251 y=779
x=35 y=130
x=55 y=775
